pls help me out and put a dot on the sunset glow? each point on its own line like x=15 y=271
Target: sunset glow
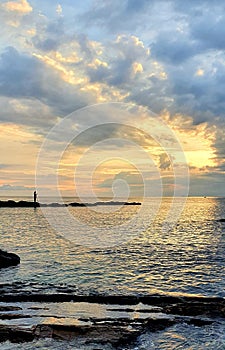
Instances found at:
x=50 y=68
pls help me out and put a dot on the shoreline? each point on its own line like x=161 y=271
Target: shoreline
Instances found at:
x=15 y=295
x=112 y=320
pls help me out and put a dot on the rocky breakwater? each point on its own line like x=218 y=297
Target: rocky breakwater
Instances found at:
x=27 y=204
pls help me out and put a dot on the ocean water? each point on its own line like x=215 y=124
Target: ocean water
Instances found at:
x=187 y=259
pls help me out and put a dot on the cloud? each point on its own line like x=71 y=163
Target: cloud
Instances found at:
x=209 y=30
x=211 y=184
x=14 y=15
x=51 y=35
x=8 y=187
x=122 y=16
x=17 y=74
x=199 y=95
x=119 y=183
x=59 y=9
x=164 y=162
x=183 y=39
x=165 y=55
x=20 y=7
x=121 y=66
x=4 y=166
x=126 y=64
x=25 y=76
x=27 y=111
x=174 y=48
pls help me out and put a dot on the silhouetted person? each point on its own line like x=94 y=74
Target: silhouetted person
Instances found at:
x=35 y=199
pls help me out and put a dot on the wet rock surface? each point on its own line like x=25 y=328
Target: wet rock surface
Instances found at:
x=176 y=305
x=15 y=334
x=99 y=319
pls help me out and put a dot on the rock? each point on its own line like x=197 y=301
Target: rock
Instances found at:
x=8 y=259
x=15 y=334
x=20 y=204
x=10 y=316
x=101 y=333
x=10 y=308
x=102 y=326
x=155 y=325
x=213 y=309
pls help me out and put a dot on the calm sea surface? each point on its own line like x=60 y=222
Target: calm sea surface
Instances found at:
x=188 y=259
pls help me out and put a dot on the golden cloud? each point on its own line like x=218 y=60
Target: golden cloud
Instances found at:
x=197 y=140
x=200 y=72
x=97 y=63
x=20 y=7
x=137 y=67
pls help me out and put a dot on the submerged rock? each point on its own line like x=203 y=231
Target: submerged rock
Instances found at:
x=8 y=259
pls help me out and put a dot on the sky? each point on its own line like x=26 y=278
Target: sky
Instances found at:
x=161 y=60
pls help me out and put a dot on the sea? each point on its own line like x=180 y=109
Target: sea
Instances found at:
x=187 y=259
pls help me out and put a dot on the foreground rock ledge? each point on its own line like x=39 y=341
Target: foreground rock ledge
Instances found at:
x=8 y=259
x=114 y=320
x=116 y=332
